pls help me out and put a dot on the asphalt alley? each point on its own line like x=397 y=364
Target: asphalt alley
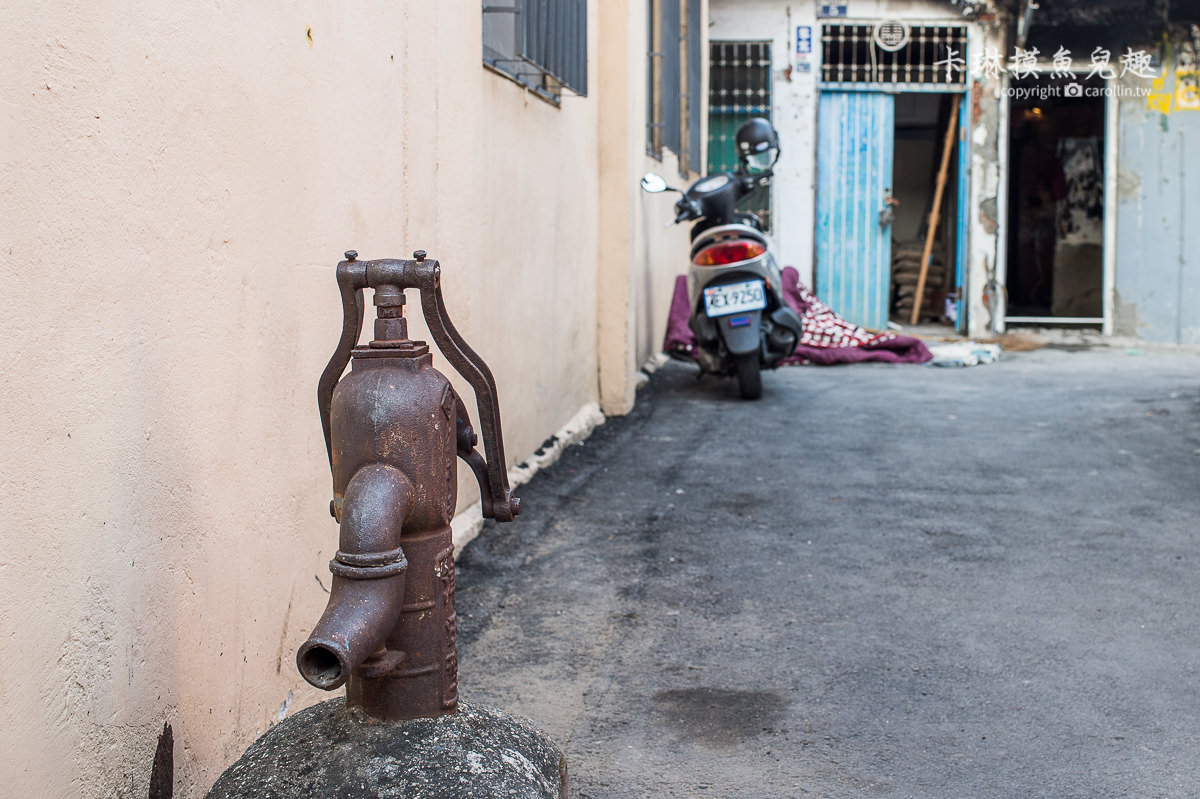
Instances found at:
x=883 y=581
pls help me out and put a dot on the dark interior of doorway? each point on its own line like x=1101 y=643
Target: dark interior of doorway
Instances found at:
x=921 y=120
x=1056 y=205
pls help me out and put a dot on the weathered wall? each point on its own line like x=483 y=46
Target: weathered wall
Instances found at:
x=1157 y=293
x=616 y=78
x=176 y=186
x=987 y=137
x=638 y=258
x=660 y=250
x=536 y=251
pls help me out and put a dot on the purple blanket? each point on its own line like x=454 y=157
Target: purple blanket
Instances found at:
x=827 y=337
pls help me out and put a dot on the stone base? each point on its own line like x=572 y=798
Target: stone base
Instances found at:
x=331 y=751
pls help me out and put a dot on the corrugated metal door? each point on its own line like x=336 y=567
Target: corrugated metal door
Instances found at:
x=1157 y=235
x=854 y=174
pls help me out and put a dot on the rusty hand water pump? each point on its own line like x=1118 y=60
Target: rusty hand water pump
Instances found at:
x=394 y=428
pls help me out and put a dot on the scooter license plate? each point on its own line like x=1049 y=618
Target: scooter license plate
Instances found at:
x=734 y=298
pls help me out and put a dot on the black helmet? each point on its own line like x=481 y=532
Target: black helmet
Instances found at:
x=757 y=144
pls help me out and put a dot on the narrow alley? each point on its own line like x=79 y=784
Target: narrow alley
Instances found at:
x=886 y=581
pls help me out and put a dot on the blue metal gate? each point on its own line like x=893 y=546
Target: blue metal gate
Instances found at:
x=854 y=174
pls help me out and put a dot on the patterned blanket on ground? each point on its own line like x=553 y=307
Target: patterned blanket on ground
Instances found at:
x=827 y=337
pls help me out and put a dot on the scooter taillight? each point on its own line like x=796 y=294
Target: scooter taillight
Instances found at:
x=728 y=252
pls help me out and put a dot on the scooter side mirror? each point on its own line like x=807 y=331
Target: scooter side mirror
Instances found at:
x=653 y=183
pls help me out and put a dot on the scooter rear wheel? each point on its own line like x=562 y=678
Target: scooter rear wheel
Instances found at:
x=749 y=376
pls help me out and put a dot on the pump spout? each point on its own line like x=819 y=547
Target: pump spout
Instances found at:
x=369 y=569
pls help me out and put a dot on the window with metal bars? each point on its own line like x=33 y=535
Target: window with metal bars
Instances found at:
x=894 y=53
x=739 y=89
x=673 y=64
x=541 y=44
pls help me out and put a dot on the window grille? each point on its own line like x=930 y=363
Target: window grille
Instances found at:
x=541 y=44
x=739 y=88
x=673 y=75
x=692 y=105
x=933 y=55
x=740 y=78
x=669 y=47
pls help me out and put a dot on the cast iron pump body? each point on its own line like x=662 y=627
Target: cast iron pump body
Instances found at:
x=393 y=430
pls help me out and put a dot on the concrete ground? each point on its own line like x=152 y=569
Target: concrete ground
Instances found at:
x=877 y=581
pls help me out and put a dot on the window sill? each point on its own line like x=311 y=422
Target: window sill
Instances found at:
x=537 y=91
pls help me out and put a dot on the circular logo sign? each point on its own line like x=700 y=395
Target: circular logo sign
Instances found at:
x=891 y=36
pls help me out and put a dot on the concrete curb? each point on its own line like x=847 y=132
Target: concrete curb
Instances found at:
x=467 y=524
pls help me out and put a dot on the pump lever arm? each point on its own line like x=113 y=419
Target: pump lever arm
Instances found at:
x=505 y=506
x=351 y=278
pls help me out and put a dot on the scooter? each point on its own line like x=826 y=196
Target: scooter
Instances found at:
x=738 y=313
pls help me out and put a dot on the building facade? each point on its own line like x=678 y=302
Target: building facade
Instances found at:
x=1054 y=145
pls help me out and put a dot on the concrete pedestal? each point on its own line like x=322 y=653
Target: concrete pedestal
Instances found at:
x=329 y=751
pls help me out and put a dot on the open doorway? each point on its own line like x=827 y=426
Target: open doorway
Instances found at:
x=1055 y=238
x=922 y=121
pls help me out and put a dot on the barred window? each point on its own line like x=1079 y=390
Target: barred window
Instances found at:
x=673 y=76
x=739 y=89
x=541 y=44
x=893 y=53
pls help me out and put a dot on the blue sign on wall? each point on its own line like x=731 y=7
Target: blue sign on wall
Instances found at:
x=833 y=10
x=803 y=39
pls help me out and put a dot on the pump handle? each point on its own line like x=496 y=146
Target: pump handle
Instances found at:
x=351 y=277
x=505 y=506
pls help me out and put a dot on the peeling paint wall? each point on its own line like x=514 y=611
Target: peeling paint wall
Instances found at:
x=1157 y=295
x=987 y=137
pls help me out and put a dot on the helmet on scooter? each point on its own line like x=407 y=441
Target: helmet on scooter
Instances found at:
x=757 y=144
